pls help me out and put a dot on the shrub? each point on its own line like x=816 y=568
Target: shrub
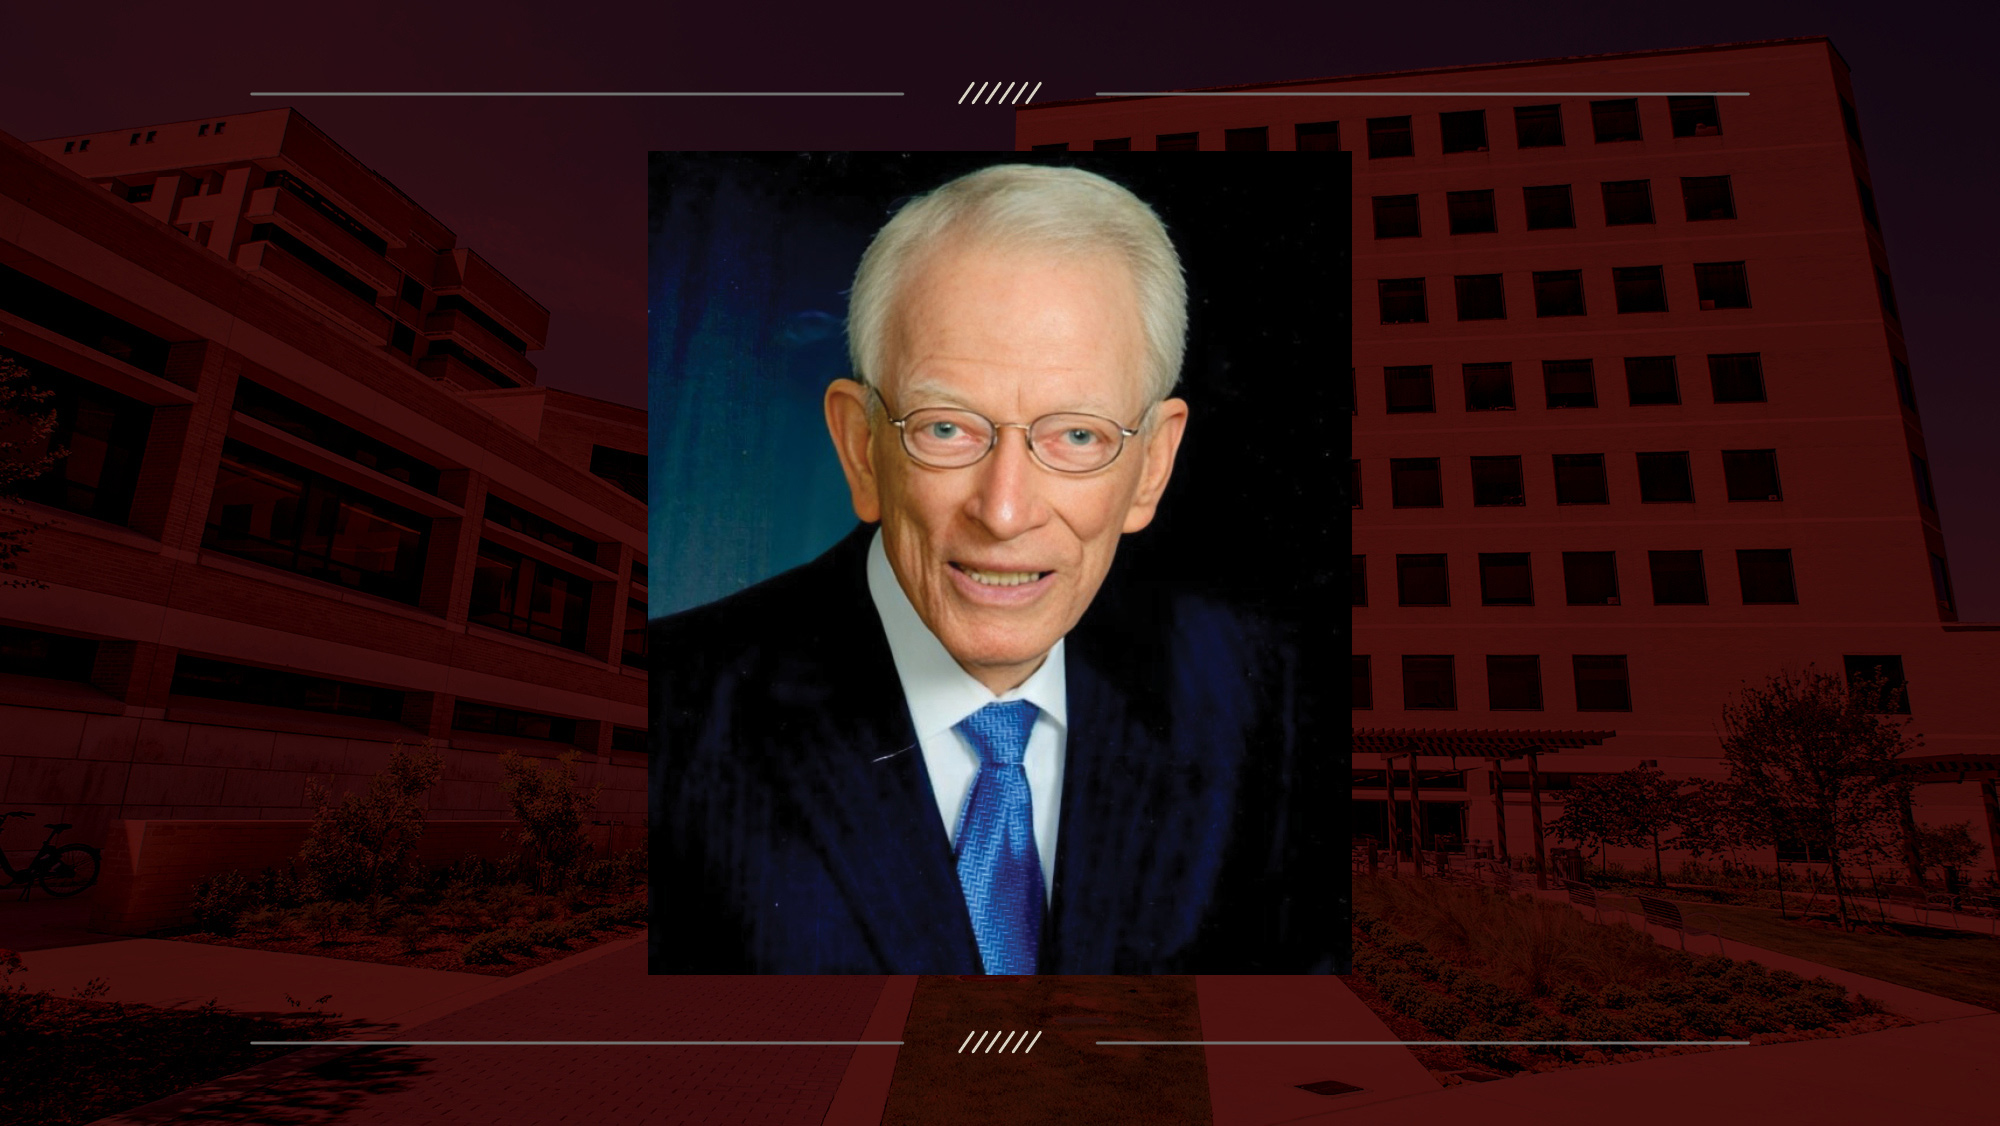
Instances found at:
x=493 y=947
x=553 y=811
x=220 y=899
x=362 y=843
x=410 y=930
x=555 y=933
x=327 y=920
x=1490 y=1055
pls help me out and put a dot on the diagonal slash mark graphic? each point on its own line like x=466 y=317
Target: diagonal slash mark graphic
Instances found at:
x=990 y=93
x=993 y=1042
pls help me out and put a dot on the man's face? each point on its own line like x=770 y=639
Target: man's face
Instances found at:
x=1001 y=558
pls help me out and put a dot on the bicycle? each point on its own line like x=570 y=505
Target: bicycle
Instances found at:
x=62 y=871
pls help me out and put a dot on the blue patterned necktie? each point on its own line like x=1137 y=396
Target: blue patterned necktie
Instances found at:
x=998 y=867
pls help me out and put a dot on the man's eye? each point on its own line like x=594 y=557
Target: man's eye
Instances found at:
x=1078 y=436
x=943 y=430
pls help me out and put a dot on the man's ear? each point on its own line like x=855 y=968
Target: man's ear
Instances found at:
x=847 y=422
x=1159 y=442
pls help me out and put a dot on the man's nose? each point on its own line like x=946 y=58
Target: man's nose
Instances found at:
x=1007 y=498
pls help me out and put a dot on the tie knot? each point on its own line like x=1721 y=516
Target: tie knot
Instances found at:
x=999 y=732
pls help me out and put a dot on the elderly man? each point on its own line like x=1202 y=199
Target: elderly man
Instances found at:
x=943 y=746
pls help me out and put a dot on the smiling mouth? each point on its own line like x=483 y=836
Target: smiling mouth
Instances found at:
x=1000 y=578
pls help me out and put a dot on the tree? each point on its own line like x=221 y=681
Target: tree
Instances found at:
x=1632 y=809
x=26 y=421
x=553 y=811
x=363 y=843
x=1947 y=847
x=1810 y=762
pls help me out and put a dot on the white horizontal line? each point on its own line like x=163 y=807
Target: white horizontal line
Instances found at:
x=1429 y=1043
x=578 y=1043
x=1423 y=94
x=576 y=93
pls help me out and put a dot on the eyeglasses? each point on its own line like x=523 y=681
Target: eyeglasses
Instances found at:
x=952 y=438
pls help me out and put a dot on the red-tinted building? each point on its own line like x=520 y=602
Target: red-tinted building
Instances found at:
x=314 y=504
x=1633 y=417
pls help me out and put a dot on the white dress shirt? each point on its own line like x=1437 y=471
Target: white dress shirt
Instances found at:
x=941 y=694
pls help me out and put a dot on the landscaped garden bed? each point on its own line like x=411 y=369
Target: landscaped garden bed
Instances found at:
x=1441 y=962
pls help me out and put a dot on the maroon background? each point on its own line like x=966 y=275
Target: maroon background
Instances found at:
x=553 y=189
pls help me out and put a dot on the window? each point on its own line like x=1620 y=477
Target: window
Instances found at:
x=1463 y=130
x=139 y=193
x=622 y=468
x=510 y=723
x=1481 y=297
x=105 y=435
x=1615 y=119
x=1678 y=578
x=1664 y=478
x=1627 y=202
x=633 y=653
x=1255 y=138
x=1891 y=691
x=1580 y=479
x=1867 y=194
x=1640 y=289
x=411 y=293
x=1177 y=142
x=1354 y=483
x=1514 y=683
x=1489 y=387
x=1751 y=474
x=1361 y=690
x=1112 y=144
x=1409 y=389
x=312 y=259
x=1396 y=217
x=1905 y=389
x=1549 y=207
x=1059 y=146
x=1569 y=383
x=254 y=400
x=1941 y=584
x=516 y=518
x=1471 y=213
x=1694 y=115
x=1921 y=471
x=1707 y=197
x=1496 y=482
x=1722 y=285
x=455 y=303
x=521 y=594
x=1422 y=580
x=1389 y=136
x=402 y=338
x=1602 y=684
x=270 y=511
x=1737 y=377
x=1402 y=301
x=1792 y=850
x=1559 y=293
x=635 y=739
x=1590 y=578
x=1316 y=136
x=1538 y=127
x=1651 y=381
x=1505 y=579
x=1428 y=683
x=1414 y=483
x=211 y=679
x=51 y=308
x=1766 y=574
x=1357 y=576
x=1884 y=289
x=55 y=656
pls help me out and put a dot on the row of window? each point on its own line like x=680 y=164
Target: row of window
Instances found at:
x=1559 y=293
x=1664 y=478
x=1590 y=578
x=1550 y=207
x=1535 y=126
x=1602 y=682
x=1733 y=377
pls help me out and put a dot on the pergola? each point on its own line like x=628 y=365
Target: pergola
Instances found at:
x=1495 y=746
x=1929 y=769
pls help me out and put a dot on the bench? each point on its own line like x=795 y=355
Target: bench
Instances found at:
x=1665 y=913
x=1922 y=902
x=1584 y=897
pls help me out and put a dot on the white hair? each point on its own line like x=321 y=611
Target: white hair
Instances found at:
x=1016 y=206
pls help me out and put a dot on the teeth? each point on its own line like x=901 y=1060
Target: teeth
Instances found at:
x=1001 y=578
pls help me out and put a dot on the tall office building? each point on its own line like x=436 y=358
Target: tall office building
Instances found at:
x=1634 y=423
x=313 y=504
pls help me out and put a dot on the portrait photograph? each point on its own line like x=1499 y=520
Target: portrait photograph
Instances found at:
x=996 y=539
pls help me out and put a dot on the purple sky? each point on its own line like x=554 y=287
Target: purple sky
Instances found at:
x=552 y=190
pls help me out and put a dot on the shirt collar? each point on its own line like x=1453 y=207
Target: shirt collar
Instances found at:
x=941 y=693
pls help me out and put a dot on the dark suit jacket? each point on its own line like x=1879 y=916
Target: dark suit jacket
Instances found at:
x=794 y=829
